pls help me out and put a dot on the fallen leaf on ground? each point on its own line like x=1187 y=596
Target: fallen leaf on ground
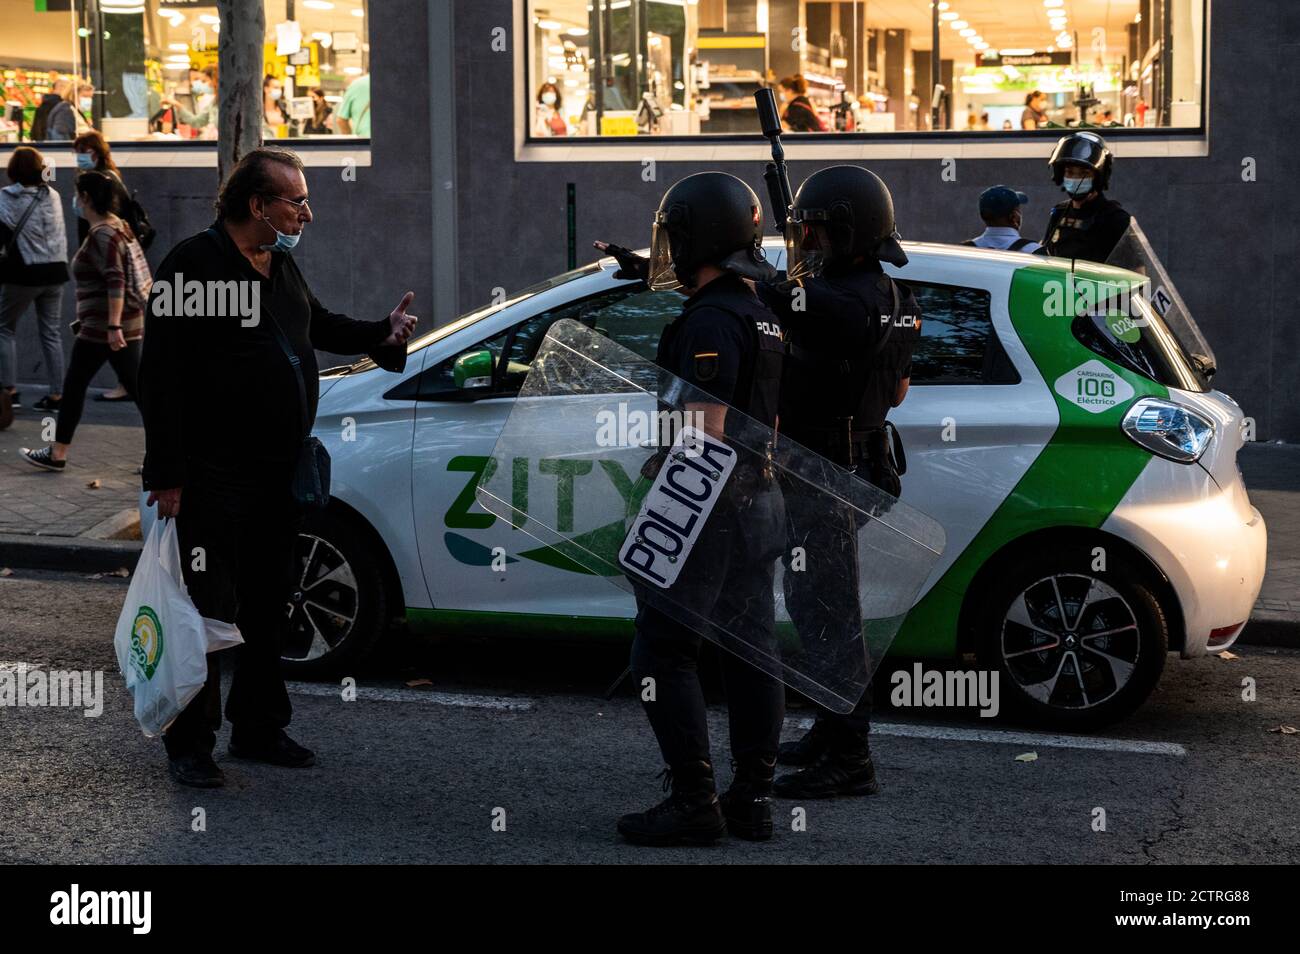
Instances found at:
x=1286 y=729
x=94 y=484
x=1227 y=655
x=6 y=572
x=412 y=683
x=121 y=571
x=1027 y=757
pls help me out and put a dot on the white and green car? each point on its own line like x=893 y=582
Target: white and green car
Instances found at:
x=1083 y=470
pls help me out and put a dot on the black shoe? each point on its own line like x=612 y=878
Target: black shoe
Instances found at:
x=690 y=815
x=112 y=400
x=48 y=403
x=807 y=750
x=42 y=458
x=196 y=770
x=747 y=804
x=15 y=399
x=835 y=774
x=277 y=749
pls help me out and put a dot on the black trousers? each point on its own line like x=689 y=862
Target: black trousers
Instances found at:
x=728 y=579
x=87 y=358
x=823 y=603
x=245 y=527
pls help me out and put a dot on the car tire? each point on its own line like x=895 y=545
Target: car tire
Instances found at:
x=1102 y=633
x=338 y=610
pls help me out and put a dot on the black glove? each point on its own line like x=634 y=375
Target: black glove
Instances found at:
x=630 y=265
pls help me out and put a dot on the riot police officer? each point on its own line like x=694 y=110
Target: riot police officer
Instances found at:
x=1088 y=225
x=850 y=332
x=708 y=238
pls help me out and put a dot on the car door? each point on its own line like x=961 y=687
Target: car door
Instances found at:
x=474 y=561
x=972 y=423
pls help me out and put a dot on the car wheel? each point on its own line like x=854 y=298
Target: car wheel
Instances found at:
x=338 y=606
x=1074 y=647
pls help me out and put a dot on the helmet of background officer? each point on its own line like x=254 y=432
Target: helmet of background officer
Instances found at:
x=710 y=218
x=1081 y=164
x=841 y=216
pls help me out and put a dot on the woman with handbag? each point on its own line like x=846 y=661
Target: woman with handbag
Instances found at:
x=113 y=283
x=33 y=269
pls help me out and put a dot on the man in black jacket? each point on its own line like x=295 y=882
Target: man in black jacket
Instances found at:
x=230 y=451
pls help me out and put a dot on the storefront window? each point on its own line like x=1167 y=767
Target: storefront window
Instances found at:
x=147 y=69
x=602 y=68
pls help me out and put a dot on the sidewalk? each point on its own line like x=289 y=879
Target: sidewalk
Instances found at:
x=58 y=521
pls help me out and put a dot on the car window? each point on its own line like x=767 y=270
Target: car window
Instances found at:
x=958 y=344
x=1126 y=329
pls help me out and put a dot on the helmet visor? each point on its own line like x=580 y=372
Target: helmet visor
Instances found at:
x=807 y=248
x=663 y=277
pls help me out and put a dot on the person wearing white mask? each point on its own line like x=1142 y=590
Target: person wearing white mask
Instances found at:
x=550 y=112
x=73 y=114
x=1088 y=225
x=273 y=114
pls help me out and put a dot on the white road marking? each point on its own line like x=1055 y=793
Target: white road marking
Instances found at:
x=427 y=696
x=1004 y=737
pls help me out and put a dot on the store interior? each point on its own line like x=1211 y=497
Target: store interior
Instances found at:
x=152 y=64
x=683 y=67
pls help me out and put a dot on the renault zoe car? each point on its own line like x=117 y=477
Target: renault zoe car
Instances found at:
x=1083 y=469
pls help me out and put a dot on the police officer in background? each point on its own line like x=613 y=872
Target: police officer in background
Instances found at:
x=850 y=332
x=1088 y=225
x=708 y=238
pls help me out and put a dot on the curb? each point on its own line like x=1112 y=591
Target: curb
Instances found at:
x=1267 y=627
x=72 y=554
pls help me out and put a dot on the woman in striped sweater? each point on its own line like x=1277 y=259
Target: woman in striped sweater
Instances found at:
x=113 y=284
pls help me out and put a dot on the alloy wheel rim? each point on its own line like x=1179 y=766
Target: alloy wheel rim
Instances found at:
x=322 y=607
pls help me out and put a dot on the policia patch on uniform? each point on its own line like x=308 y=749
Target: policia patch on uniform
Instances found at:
x=706 y=366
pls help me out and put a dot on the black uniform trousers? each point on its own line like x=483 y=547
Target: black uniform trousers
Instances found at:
x=822 y=600
x=246 y=525
x=728 y=581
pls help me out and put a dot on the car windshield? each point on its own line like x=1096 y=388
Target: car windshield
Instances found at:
x=1123 y=327
x=464 y=321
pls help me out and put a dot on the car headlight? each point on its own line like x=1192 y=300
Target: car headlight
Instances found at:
x=1168 y=429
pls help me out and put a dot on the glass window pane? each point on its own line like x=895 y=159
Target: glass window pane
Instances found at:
x=606 y=68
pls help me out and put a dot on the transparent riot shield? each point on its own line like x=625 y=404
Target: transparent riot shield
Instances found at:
x=708 y=517
x=1134 y=252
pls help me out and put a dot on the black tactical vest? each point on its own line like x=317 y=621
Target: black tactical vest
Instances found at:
x=759 y=385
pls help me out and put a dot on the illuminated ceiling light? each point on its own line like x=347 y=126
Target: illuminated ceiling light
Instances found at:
x=969 y=31
x=943 y=4
x=318 y=4
x=1016 y=51
x=358 y=12
x=576 y=31
x=959 y=24
x=550 y=25
x=178 y=46
x=1053 y=3
x=949 y=16
x=209 y=18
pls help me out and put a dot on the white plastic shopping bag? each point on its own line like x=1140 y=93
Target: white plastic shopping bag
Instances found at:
x=161 y=639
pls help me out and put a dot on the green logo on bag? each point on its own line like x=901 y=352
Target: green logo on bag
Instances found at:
x=146 y=642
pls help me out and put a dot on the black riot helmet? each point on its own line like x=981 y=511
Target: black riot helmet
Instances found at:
x=838 y=215
x=710 y=218
x=1086 y=148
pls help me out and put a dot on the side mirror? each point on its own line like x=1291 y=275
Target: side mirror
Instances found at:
x=473 y=369
x=1204 y=364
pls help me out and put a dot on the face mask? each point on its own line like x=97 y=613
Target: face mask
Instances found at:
x=1077 y=187
x=284 y=242
x=200 y=87
x=86 y=103
x=85 y=160
x=275 y=94
x=548 y=99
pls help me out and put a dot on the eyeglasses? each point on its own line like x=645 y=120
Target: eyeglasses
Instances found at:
x=300 y=206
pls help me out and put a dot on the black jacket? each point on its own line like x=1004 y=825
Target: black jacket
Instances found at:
x=1090 y=232
x=215 y=392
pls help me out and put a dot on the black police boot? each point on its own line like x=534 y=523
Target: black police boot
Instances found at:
x=690 y=815
x=807 y=750
x=844 y=769
x=747 y=804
